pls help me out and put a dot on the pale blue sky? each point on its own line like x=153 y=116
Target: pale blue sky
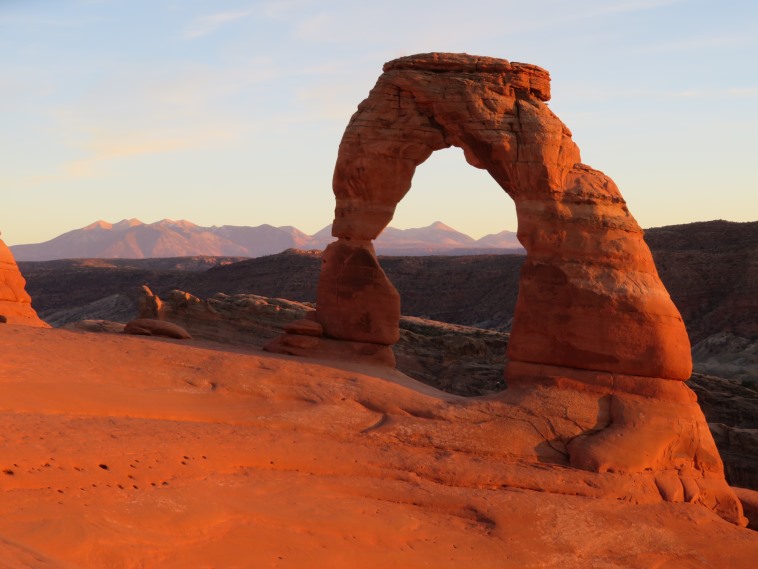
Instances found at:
x=230 y=112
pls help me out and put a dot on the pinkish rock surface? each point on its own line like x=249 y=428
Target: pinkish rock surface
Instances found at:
x=15 y=303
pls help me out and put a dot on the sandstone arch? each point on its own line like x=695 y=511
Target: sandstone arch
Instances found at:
x=589 y=298
x=596 y=340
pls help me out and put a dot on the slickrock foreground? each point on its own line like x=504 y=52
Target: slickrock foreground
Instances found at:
x=124 y=451
x=15 y=303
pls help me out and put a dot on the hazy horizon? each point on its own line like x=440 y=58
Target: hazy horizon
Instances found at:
x=231 y=113
x=179 y=221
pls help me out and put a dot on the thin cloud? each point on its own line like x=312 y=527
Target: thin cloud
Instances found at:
x=714 y=94
x=208 y=24
x=104 y=147
x=315 y=28
x=279 y=9
x=634 y=6
x=37 y=22
x=700 y=43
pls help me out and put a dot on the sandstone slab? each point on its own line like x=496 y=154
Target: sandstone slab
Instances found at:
x=152 y=327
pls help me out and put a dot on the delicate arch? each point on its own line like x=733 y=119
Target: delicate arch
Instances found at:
x=589 y=294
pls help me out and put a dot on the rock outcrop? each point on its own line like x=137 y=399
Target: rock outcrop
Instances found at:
x=244 y=319
x=596 y=339
x=153 y=327
x=15 y=303
x=590 y=297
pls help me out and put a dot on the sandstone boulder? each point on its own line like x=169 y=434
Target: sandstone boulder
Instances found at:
x=15 y=303
x=151 y=327
x=305 y=327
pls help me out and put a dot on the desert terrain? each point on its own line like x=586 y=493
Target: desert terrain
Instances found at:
x=122 y=451
x=173 y=441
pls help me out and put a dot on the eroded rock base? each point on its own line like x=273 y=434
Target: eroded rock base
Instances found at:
x=611 y=423
x=304 y=338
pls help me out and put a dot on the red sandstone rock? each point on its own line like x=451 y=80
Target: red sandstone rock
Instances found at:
x=326 y=348
x=595 y=337
x=15 y=303
x=305 y=327
x=244 y=319
x=627 y=425
x=355 y=299
x=151 y=327
x=590 y=296
x=749 y=499
x=149 y=305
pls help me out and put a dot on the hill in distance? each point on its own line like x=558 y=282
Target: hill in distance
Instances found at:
x=133 y=239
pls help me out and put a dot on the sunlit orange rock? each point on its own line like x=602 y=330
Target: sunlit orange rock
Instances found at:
x=15 y=303
x=154 y=327
x=590 y=296
x=596 y=339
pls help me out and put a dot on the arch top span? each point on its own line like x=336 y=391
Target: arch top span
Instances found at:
x=490 y=108
x=521 y=75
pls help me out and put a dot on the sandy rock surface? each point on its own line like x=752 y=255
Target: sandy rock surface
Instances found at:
x=122 y=451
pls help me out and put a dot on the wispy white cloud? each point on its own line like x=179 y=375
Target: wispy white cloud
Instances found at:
x=743 y=92
x=285 y=8
x=139 y=112
x=715 y=94
x=39 y=21
x=316 y=27
x=104 y=146
x=633 y=5
x=725 y=41
x=100 y=148
x=208 y=24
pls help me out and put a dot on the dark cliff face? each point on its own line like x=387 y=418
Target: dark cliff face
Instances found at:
x=732 y=414
x=711 y=271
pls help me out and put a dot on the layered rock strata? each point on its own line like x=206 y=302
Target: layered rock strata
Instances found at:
x=15 y=303
x=595 y=332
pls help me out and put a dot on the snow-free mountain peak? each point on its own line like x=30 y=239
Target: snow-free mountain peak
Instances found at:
x=99 y=224
x=181 y=223
x=131 y=238
x=125 y=224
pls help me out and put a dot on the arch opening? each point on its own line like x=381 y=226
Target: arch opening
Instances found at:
x=457 y=300
x=446 y=188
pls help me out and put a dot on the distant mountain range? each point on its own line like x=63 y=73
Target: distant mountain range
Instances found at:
x=133 y=239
